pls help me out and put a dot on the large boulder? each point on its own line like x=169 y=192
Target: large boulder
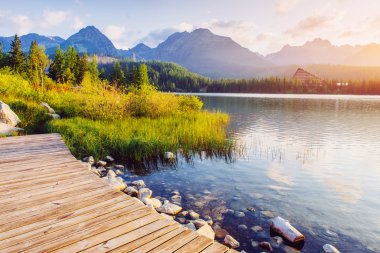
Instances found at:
x=7 y=116
x=8 y=130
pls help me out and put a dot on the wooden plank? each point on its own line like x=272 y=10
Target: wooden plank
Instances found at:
x=136 y=243
x=54 y=208
x=197 y=245
x=154 y=243
x=16 y=236
x=176 y=242
x=215 y=248
x=85 y=230
x=116 y=237
x=56 y=204
x=71 y=214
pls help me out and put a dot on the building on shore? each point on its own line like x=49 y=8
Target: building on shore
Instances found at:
x=306 y=78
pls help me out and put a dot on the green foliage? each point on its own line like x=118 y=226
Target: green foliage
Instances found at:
x=17 y=56
x=145 y=139
x=98 y=119
x=36 y=64
x=117 y=74
x=57 y=68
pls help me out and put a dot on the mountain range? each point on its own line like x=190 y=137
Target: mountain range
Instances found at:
x=209 y=54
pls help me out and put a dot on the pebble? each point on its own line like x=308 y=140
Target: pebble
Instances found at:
x=229 y=211
x=101 y=163
x=175 y=192
x=193 y=215
x=190 y=226
x=220 y=233
x=89 y=160
x=251 y=209
x=199 y=223
x=267 y=214
x=242 y=227
x=119 y=167
x=183 y=213
x=239 y=214
x=139 y=183
x=257 y=229
x=266 y=245
x=181 y=220
x=328 y=248
x=278 y=240
x=131 y=191
x=230 y=241
x=144 y=193
x=110 y=159
x=207 y=231
x=255 y=244
x=169 y=208
x=119 y=172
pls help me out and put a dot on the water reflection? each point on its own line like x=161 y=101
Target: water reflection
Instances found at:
x=315 y=162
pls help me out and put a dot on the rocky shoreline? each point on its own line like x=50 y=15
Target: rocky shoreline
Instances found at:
x=207 y=225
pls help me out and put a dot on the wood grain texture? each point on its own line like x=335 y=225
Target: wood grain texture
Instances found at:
x=51 y=202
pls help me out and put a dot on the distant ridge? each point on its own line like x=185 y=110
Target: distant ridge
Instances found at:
x=211 y=55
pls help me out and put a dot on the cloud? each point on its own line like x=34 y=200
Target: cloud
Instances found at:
x=115 y=33
x=52 y=18
x=311 y=24
x=77 y=23
x=283 y=6
x=22 y=22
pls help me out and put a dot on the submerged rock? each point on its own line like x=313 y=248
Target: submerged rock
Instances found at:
x=328 y=248
x=267 y=214
x=239 y=214
x=7 y=116
x=285 y=229
x=242 y=227
x=232 y=242
x=255 y=244
x=207 y=231
x=257 y=229
x=220 y=233
x=266 y=245
x=169 y=208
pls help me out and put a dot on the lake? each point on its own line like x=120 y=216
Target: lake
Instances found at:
x=313 y=160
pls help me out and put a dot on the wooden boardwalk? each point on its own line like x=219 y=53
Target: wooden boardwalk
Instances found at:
x=50 y=202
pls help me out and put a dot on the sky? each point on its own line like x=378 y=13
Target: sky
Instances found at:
x=263 y=26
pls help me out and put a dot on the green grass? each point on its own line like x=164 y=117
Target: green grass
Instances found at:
x=101 y=120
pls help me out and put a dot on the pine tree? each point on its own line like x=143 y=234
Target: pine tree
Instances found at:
x=36 y=63
x=56 y=70
x=102 y=74
x=117 y=74
x=71 y=66
x=135 y=77
x=83 y=66
x=143 y=73
x=17 y=57
x=93 y=68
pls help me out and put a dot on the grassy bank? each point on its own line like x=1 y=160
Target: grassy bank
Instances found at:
x=100 y=120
